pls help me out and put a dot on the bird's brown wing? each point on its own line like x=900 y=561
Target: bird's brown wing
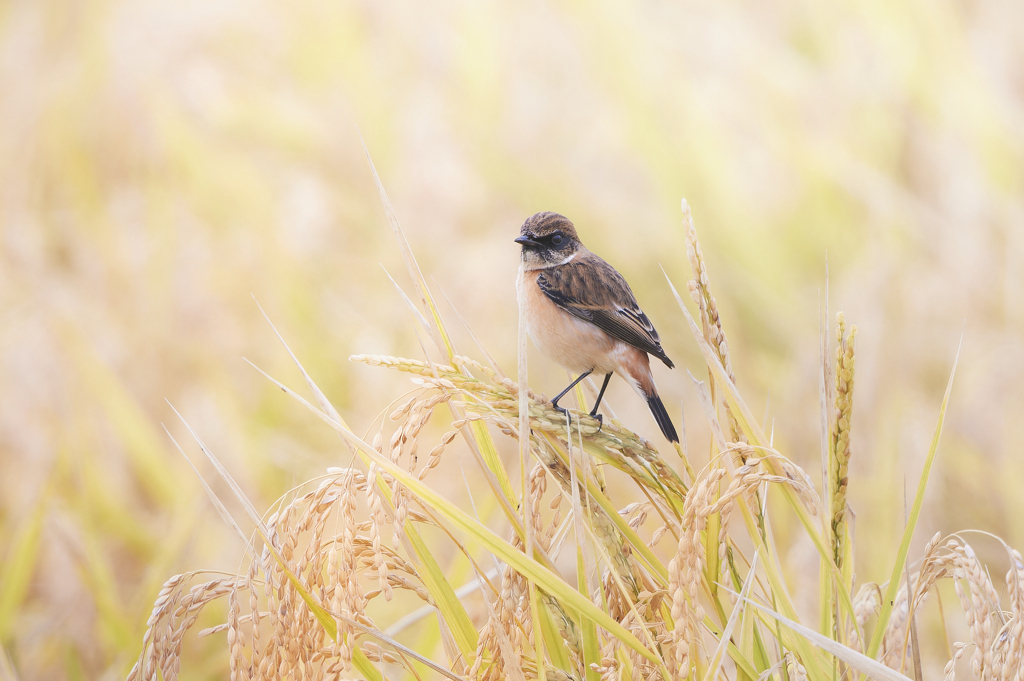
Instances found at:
x=591 y=289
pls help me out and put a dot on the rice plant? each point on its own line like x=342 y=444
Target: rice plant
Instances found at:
x=564 y=580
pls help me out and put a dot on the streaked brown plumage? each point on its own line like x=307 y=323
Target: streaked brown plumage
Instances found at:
x=582 y=313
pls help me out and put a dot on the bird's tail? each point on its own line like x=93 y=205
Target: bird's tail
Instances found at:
x=661 y=416
x=638 y=372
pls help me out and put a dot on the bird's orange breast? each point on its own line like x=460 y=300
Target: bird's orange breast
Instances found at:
x=574 y=343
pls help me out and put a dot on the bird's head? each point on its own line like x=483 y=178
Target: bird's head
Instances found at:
x=548 y=239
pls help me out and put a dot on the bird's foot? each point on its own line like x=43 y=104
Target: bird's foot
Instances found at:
x=562 y=410
x=568 y=415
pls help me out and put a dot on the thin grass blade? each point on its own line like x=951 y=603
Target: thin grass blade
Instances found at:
x=441 y=337
x=862 y=663
x=915 y=513
x=723 y=643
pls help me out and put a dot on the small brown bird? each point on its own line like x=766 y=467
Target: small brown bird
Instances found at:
x=583 y=315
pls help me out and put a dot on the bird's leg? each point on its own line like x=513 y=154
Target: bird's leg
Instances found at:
x=554 y=402
x=593 y=412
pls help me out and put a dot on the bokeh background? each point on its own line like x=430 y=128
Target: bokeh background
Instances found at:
x=165 y=162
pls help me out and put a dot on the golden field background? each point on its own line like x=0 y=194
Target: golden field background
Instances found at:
x=164 y=162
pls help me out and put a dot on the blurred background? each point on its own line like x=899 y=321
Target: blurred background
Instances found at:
x=163 y=163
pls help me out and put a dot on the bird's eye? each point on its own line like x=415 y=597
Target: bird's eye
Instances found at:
x=556 y=240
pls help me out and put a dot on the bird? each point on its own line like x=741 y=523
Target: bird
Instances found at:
x=581 y=313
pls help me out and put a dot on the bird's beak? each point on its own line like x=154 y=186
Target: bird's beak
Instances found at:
x=526 y=241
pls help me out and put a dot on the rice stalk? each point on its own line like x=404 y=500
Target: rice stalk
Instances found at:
x=711 y=322
x=335 y=538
